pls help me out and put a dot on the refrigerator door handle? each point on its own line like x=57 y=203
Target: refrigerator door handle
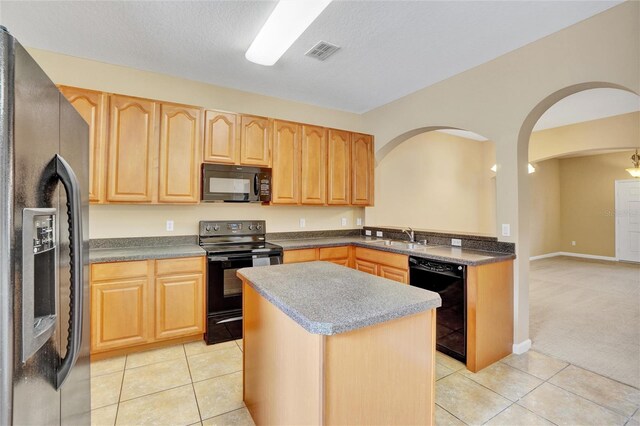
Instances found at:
x=76 y=263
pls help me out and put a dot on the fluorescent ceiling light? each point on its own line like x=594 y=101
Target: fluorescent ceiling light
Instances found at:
x=286 y=23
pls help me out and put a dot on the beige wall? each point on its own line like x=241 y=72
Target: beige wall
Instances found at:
x=573 y=199
x=504 y=98
x=110 y=221
x=438 y=182
x=119 y=221
x=588 y=201
x=545 y=208
x=620 y=131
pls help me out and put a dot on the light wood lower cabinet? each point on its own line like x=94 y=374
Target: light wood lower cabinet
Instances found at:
x=134 y=304
x=392 y=266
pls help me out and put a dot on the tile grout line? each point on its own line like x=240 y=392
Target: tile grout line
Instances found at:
x=453 y=415
x=115 y=421
x=610 y=409
x=193 y=388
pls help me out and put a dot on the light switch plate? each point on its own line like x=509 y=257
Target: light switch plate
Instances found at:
x=506 y=230
x=367 y=232
x=343 y=221
x=378 y=233
x=169 y=225
x=456 y=242
x=359 y=221
x=303 y=223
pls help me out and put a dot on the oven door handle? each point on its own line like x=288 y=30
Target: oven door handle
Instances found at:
x=229 y=320
x=247 y=256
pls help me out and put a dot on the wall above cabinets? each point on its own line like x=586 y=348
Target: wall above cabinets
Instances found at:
x=145 y=151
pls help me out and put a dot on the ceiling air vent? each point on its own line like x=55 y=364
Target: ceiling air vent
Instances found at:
x=322 y=50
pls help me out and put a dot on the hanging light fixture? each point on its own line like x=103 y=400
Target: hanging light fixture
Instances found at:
x=635 y=170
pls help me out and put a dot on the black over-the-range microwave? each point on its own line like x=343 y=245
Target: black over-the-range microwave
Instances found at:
x=235 y=184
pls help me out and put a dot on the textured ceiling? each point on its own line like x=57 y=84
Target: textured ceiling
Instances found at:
x=389 y=48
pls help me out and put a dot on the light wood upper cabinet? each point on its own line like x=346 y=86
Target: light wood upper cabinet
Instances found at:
x=92 y=106
x=362 y=169
x=132 y=150
x=180 y=158
x=313 y=160
x=339 y=167
x=220 y=145
x=286 y=163
x=255 y=141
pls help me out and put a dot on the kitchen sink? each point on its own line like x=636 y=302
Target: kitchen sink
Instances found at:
x=404 y=245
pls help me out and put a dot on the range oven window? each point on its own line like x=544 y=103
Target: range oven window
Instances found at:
x=225 y=288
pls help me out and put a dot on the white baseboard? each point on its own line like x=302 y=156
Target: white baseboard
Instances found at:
x=580 y=255
x=522 y=347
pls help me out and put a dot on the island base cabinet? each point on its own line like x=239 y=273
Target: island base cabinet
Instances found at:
x=382 y=374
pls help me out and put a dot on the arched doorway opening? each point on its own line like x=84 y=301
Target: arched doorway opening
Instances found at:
x=582 y=302
x=437 y=179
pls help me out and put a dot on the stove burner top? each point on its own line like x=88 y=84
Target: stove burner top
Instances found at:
x=232 y=248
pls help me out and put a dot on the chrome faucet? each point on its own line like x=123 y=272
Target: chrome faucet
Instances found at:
x=411 y=234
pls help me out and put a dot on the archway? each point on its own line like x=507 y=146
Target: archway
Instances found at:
x=585 y=169
x=442 y=179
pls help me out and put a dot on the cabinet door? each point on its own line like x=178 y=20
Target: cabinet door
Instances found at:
x=362 y=170
x=368 y=267
x=132 y=150
x=255 y=141
x=180 y=156
x=119 y=313
x=394 y=274
x=338 y=167
x=92 y=106
x=313 y=164
x=220 y=144
x=179 y=306
x=302 y=255
x=286 y=163
x=339 y=255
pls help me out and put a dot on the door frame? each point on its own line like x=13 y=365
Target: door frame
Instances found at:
x=617 y=217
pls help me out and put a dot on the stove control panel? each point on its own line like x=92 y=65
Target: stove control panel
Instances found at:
x=227 y=227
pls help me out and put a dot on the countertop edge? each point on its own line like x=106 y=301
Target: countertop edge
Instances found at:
x=495 y=256
x=328 y=329
x=106 y=255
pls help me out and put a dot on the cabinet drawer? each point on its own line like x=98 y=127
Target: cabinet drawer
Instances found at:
x=395 y=260
x=179 y=266
x=303 y=255
x=395 y=274
x=368 y=267
x=118 y=270
x=327 y=253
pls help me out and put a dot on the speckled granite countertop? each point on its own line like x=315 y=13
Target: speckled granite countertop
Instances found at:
x=144 y=253
x=442 y=253
x=325 y=298
x=142 y=248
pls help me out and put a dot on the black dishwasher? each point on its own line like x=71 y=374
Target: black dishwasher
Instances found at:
x=448 y=280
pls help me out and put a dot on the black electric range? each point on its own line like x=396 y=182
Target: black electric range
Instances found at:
x=231 y=245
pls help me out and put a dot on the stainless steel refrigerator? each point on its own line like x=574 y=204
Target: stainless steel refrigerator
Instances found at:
x=44 y=173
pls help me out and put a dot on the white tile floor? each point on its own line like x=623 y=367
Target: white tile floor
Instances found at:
x=178 y=385
x=199 y=384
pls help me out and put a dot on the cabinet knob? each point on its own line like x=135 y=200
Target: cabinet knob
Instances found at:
x=258 y=227
x=216 y=228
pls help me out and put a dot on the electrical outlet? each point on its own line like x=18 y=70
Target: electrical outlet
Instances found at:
x=343 y=221
x=367 y=232
x=573 y=243
x=169 y=225
x=506 y=230
x=378 y=233
x=456 y=242
x=359 y=221
x=303 y=223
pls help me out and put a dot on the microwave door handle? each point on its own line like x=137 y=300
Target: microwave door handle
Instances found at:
x=256 y=184
x=76 y=264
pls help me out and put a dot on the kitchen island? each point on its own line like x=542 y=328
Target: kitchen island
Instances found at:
x=326 y=344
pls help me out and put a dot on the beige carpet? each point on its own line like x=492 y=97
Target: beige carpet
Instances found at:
x=588 y=313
